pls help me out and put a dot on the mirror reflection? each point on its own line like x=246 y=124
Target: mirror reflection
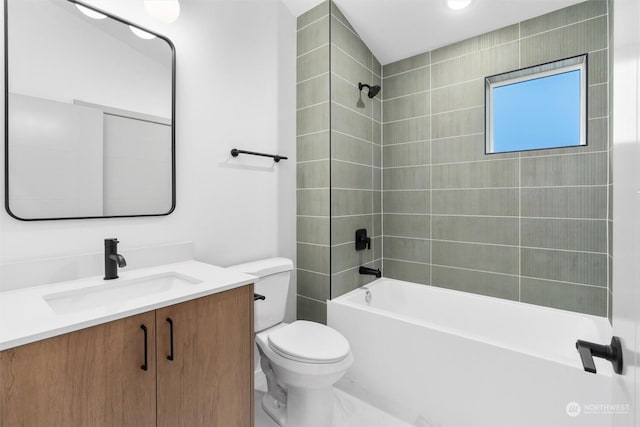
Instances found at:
x=90 y=114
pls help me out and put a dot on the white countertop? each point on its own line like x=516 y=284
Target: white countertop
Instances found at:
x=26 y=317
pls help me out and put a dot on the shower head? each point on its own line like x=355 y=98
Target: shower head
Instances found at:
x=373 y=90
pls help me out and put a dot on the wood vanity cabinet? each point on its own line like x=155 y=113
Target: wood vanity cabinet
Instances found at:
x=94 y=377
x=91 y=377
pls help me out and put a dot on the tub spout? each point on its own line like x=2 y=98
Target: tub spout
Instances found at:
x=373 y=272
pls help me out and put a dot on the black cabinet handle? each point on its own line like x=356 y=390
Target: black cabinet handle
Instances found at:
x=145 y=366
x=170 y=356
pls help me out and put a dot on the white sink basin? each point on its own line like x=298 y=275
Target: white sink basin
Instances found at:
x=110 y=293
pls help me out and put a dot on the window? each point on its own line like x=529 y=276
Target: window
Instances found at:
x=537 y=107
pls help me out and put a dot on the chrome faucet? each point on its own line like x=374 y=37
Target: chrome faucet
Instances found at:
x=112 y=259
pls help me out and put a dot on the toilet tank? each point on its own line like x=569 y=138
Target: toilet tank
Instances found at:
x=274 y=276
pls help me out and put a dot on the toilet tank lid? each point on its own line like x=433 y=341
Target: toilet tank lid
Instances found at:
x=264 y=267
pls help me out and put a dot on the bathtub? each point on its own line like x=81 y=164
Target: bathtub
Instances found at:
x=441 y=358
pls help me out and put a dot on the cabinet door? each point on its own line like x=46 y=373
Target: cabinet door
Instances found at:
x=92 y=377
x=209 y=382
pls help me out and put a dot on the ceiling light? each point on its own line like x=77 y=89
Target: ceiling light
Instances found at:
x=458 y=4
x=166 y=11
x=90 y=12
x=141 y=33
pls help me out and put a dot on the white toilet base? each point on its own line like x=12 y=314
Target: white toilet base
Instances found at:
x=274 y=409
x=304 y=408
x=309 y=407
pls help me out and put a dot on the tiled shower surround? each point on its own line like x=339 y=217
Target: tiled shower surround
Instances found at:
x=338 y=155
x=531 y=226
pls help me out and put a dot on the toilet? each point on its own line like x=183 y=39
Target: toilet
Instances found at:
x=301 y=360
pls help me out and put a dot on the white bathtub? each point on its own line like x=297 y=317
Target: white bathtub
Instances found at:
x=441 y=358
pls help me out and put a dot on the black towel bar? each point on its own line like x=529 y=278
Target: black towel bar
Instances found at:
x=276 y=158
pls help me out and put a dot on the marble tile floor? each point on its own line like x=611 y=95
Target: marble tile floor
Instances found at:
x=349 y=412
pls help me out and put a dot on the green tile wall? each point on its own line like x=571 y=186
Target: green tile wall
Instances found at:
x=532 y=227
x=356 y=125
x=339 y=159
x=313 y=164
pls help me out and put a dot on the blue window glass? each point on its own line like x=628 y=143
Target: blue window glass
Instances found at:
x=536 y=110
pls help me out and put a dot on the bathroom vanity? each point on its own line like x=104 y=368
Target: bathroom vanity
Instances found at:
x=179 y=357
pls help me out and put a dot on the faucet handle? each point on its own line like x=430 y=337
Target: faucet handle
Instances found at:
x=362 y=241
x=611 y=352
x=586 y=357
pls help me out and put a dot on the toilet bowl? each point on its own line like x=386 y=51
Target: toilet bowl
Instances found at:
x=301 y=360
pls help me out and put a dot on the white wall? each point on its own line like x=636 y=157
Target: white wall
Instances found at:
x=235 y=87
x=626 y=205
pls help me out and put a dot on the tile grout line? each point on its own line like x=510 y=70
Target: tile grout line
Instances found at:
x=311 y=299
x=456 y=110
x=430 y=175
x=306 y=107
x=312 y=22
x=354 y=267
x=406 y=71
x=369 y=68
x=520 y=38
x=382 y=193
x=608 y=165
x=373 y=175
x=354 y=137
x=330 y=150
x=547 y=218
x=501 y=274
x=520 y=183
x=520 y=227
x=311 y=271
x=539 y=156
x=462 y=56
x=311 y=78
x=593 y=18
x=406 y=95
x=354 y=59
x=312 y=244
x=311 y=51
x=515 y=187
x=520 y=44
x=352 y=110
x=501 y=245
x=312 y=133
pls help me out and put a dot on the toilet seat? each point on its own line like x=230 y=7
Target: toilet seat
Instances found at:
x=309 y=342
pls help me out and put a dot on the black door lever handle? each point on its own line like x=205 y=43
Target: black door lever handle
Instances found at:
x=257 y=297
x=611 y=352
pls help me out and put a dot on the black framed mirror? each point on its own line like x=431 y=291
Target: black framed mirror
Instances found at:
x=89 y=114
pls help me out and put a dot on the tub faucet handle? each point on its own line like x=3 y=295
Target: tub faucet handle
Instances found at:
x=611 y=352
x=362 y=241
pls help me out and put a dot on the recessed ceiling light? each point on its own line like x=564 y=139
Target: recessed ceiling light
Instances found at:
x=458 y=4
x=166 y=11
x=141 y=33
x=90 y=12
